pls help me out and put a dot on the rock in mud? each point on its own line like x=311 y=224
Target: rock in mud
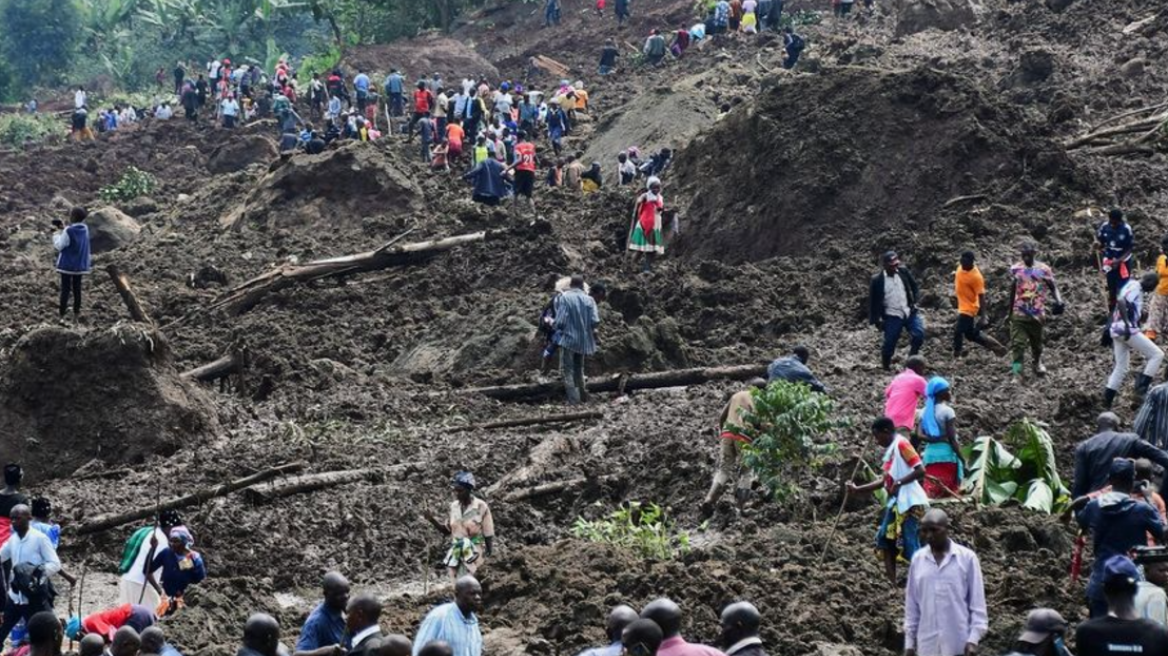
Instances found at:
x=238 y=154
x=111 y=229
x=69 y=397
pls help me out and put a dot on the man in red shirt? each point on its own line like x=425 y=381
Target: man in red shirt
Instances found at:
x=423 y=105
x=524 y=167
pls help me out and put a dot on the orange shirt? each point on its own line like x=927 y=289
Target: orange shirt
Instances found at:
x=969 y=286
x=455 y=133
x=581 y=100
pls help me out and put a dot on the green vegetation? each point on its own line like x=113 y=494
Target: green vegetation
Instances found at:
x=132 y=184
x=38 y=41
x=786 y=420
x=643 y=528
x=18 y=129
x=1029 y=476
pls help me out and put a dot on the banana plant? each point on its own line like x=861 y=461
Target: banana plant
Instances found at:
x=996 y=476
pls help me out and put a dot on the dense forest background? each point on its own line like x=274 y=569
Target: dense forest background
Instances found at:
x=120 y=44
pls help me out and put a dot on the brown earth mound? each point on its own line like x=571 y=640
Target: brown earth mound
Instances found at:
x=70 y=397
x=336 y=187
x=805 y=165
x=422 y=56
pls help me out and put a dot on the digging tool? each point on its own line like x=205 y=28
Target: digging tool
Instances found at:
x=840 y=514
x=951 y=491
x=1077 y=557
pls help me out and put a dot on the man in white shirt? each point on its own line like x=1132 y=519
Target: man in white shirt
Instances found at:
x=1151 y=600
x=26 y=546
x=79 y=98
x=945 y=606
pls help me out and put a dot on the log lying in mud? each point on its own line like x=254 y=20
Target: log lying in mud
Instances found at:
x=122 y=283
x=106 y=522
x=531 y=421
x=324 y=480
x=247 y=295
x=1125 y=134
x=657 y=379
x=231 y=363
x=555 y=488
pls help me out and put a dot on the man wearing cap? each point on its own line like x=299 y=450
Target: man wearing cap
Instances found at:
x=944 y=605
x=1093 y=456
x=892 y=307
x=1044 y=634
x=1120 y=630
x=1114 y=242
x=1118 y=523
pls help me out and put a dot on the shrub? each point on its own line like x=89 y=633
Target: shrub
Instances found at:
x=18 y=129
x=643 y=528
x=133 y=183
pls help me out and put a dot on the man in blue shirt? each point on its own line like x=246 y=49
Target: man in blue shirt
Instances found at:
x=455 y=623
x=620 y=617
x=154 y=642
x=576 y=322
x=1115 y=241
x=1117 y=523
x=361 y=84
x=324 y=630
x=395 y=90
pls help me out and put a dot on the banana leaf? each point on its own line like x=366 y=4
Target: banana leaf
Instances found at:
x=990 y=477
x=1038 y=496
x=1036 y=451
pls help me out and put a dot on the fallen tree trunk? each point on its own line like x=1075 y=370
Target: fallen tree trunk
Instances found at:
x=311 y=483
x=555 y=488
x=675 y=378
x=122 y=283
x=245 y=296
x=106 y=522
x=530 y=421
x=231 y=363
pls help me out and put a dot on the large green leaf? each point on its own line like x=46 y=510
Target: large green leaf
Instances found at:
x=1038 y=496
x=1036 y=451
x=990 y=477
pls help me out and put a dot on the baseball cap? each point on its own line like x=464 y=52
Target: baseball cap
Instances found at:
x=1120 y=571
x=1040 y=624
x=1123 y=469
x=890 y=257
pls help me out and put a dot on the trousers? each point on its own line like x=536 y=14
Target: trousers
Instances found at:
x=1025 y=332
x=893 y=327
x=70 y=286
x=1123 y=347
x=572 y=368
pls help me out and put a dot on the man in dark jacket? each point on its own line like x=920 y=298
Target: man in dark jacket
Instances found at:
x=892 y=307
x=740 y=625
x=793 y=368
x=487 y=178
x=361 y=623
x=1117 y=523
x=1093 y=456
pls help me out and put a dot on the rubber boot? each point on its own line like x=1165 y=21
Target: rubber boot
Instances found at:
x=1109 y=397
x=1142 y=384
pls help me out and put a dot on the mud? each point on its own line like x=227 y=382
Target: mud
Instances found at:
x=785 y=204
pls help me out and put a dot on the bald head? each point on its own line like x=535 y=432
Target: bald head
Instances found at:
x=665 y=614
x=44 y=633
x=935 y=530
x=395 y=644
x=152 y=640
x=916 y=363
x=642 y=638
x=92 y=645
x=336 y=591
x=468 y=594
x=126 y=642
x=1107 y=421
x=436 y=648
x=261 y=632
x=620 y=617
x=740 y=620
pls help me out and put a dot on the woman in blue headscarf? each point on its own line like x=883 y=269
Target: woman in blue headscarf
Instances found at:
x=944 y=466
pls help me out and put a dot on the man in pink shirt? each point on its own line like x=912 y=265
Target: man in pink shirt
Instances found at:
x=904 y=393
x=667 y=615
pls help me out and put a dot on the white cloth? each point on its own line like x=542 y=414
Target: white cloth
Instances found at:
x=1152 y=603
x=137 y=571
x=78 y=99
x=909 y=495
x=35 y=548
x=130 y=592
x=1123 y=348
x=368 y=631
x=61 y=240
x=895 y=297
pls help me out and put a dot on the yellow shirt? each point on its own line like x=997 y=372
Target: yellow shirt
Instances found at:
x=1162 y=271
x=969 y=286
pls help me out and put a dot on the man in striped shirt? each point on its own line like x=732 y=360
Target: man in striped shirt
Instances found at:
x=455 y=623
x=575 y=325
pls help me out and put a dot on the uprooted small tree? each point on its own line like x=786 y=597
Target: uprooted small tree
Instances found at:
x=1029 y=476
x=783 y=427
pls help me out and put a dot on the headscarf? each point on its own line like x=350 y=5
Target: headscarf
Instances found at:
x=650 y=195
x=465 y=479
x=929 y=424
x=183 y=534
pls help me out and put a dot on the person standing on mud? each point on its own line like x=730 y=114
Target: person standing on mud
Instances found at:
x=139 y=550
x=904 y=393
x=1126 y=337
x=907 y=501
x=1114 y=241
x=577 y=318
x=524 y=167
x=892 y=308
x=1118 y=523
x=25 y=549
x=646 y=235
x=1093 y=456
x=667 y=615
x=945 y=605
x=622 y=12
x=619 y=618
x=741 y=622
x=730 y=465
x=181 y=567
x=471 y=528
x=324 y=630
x=455 y=623
x=944 y=464
x=969 y=287
x=1030 y=282
x=73 y=258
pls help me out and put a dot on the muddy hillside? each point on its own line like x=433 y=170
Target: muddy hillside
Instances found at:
x=931 y=128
